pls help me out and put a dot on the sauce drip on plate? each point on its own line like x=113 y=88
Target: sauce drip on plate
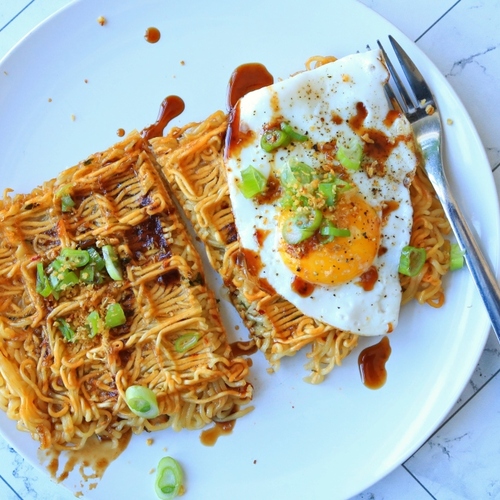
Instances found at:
x=245 y=79
x=152 y=35
x=209 y=436
x=171 y=107
x=371 y=362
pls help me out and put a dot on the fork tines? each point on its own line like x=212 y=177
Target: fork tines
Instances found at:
x=415 y=79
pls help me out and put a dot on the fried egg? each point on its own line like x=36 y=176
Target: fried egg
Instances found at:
x=327 y=225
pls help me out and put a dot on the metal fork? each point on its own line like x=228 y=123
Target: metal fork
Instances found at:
x=423 y=115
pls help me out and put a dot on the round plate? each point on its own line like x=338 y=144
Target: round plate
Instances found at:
x=68 y=87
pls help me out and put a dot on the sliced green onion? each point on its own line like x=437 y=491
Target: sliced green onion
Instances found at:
x=252 y=182
x=328 y=192
x=43 y=286
x=329 y=231
x=96 y=259
x=169 y=479
x=112 y=263
x=340 y=232
x=114 y=316
x=456 y=257
x=342 y=186
x=75 y=257
x=87 y=274
x=296 y=173
x=94 y=323
x=292 y=133
x=66 y=330
x=274 y=139
x=412 y=260
x=350 y=156
x=301 y=227
x=186 y=341
x=63 y=194
x=67 y=203
x=61 y=281
x=142 y=401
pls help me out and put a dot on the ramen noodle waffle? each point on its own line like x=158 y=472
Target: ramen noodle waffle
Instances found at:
x=101 y=289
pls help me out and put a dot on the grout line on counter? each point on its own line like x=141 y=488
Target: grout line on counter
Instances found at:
x=417 y=480
x=20 y=12
x=437 y=20
x=10 y=487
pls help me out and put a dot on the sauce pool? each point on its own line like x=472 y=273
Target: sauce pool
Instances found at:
x=371 y=362
x=210 y=436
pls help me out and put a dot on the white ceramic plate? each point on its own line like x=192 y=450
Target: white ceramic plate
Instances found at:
x=301 y=441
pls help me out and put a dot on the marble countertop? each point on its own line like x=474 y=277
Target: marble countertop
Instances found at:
x=461 y=460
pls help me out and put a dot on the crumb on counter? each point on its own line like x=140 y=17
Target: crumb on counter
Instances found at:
x=183 y=63
x=152 y=471
x=101 y=20
x=73 y=118
x=50 y=99
x=449 y=121
x=149 y=441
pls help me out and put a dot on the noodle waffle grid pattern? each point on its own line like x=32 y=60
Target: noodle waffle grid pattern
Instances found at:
x=119 y=200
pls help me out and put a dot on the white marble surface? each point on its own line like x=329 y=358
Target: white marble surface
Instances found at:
x=461 y=460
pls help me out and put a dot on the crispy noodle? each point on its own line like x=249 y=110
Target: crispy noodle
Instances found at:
x=191 y=158
x=63 y=392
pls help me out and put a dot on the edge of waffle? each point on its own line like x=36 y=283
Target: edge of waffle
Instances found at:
x=191 y=159
x=65 y=391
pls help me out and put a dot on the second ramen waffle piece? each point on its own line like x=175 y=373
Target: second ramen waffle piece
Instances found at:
x=192 y=161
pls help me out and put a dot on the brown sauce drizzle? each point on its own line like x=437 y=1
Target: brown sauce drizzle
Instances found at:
x=391 y=117
x=95 y=455
x=253 y=265
x=261 y=235
x=337 y=119
x=377 y=146
x=302 y=287
x=266 y=286
x=244 y=348
x=371 y=362
x=356 y=122
x=209 y=437
x=245 y=79
x=387 y=208
x=237 y=135
x=152 y=35
x=252 y=261
x=368 y=279
x=171 y=107
x=272 y=192
x=146 y=235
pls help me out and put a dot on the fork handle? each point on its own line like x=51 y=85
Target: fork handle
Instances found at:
x=479 y=267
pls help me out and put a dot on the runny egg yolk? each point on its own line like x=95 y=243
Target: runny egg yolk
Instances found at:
x=344 y=258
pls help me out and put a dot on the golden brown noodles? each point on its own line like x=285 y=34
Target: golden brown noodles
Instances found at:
x=64 y=391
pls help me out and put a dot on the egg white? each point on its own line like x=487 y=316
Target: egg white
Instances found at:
x=307 y=101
